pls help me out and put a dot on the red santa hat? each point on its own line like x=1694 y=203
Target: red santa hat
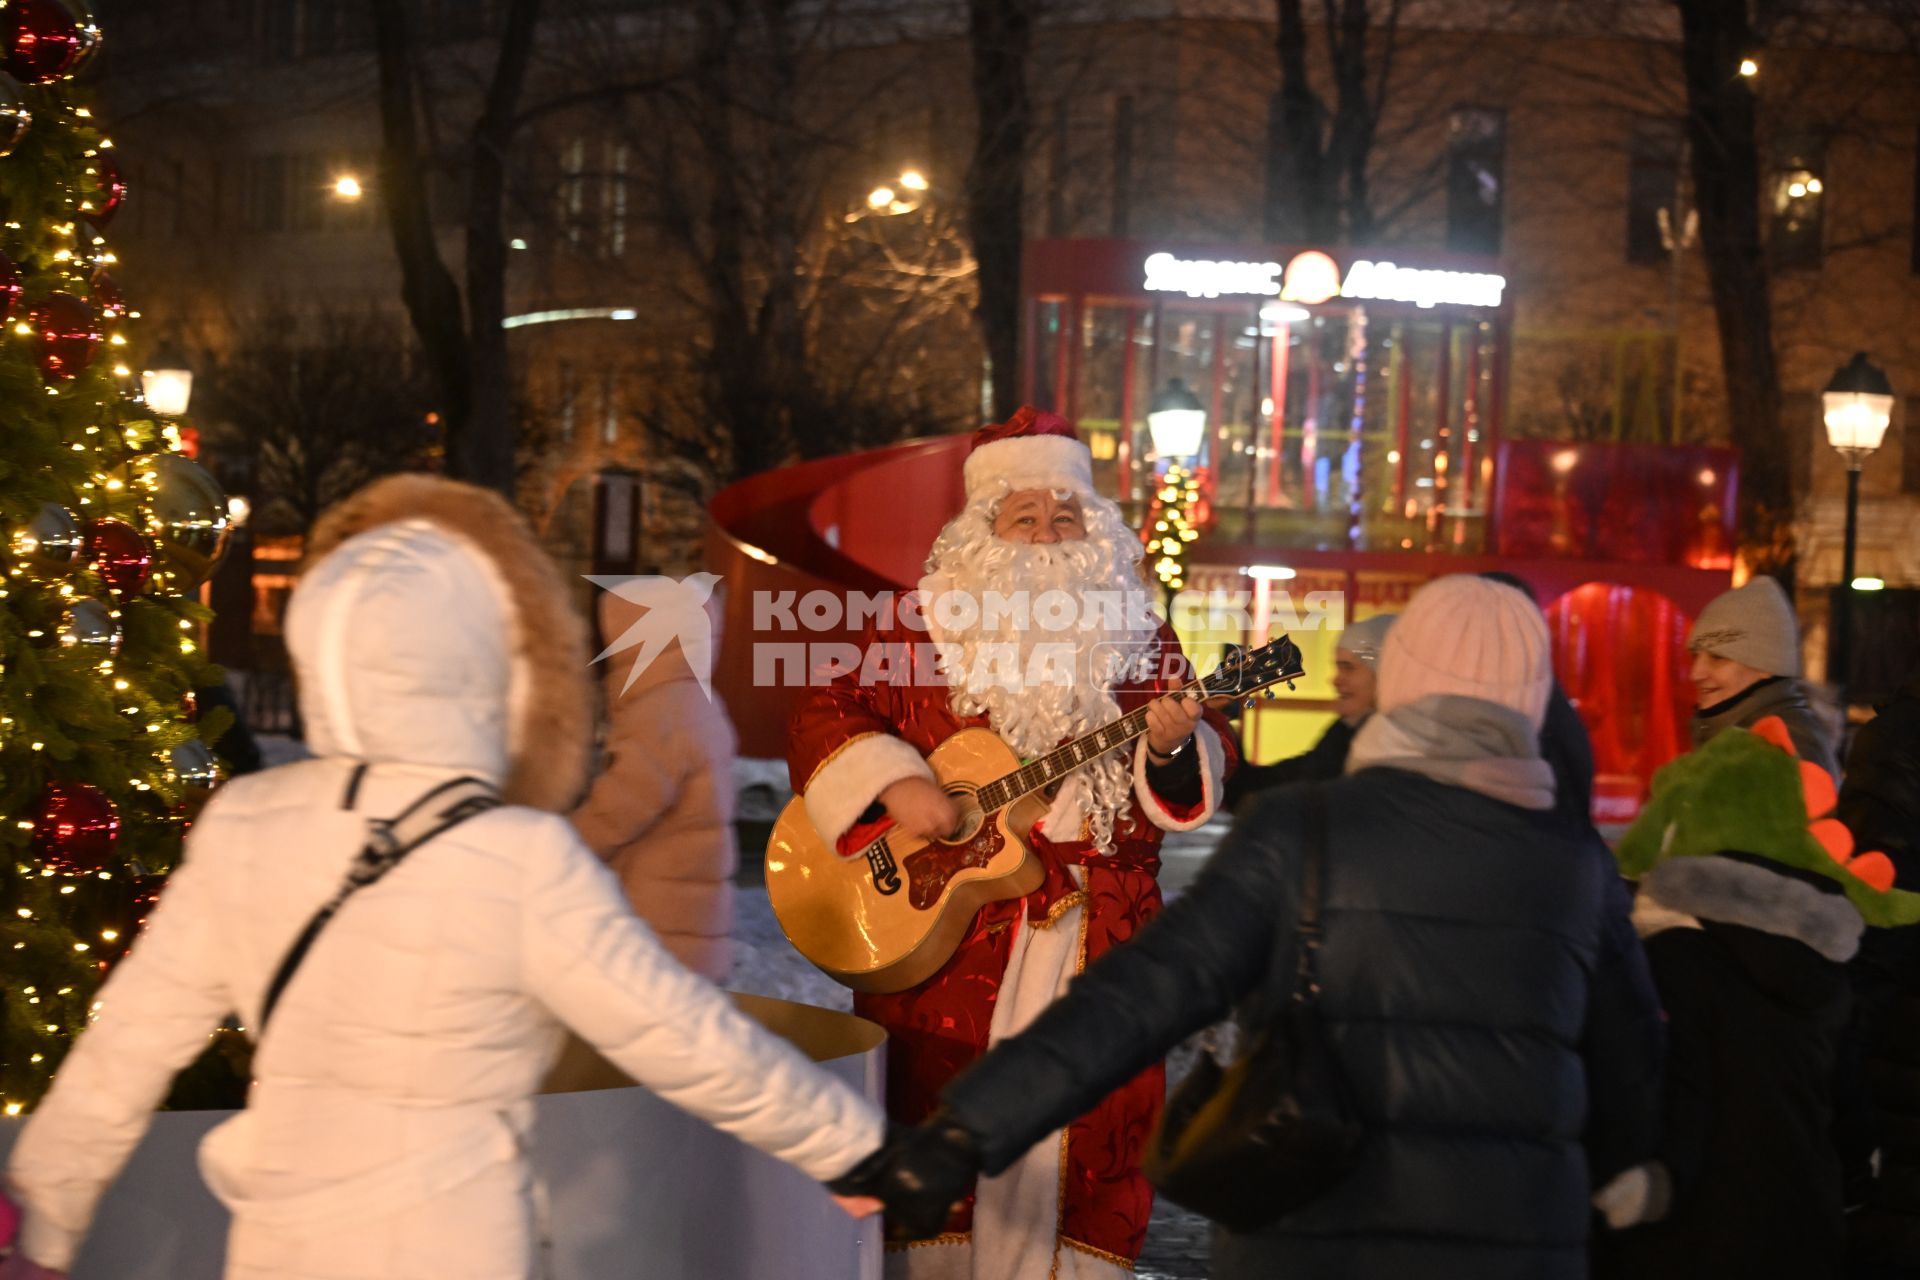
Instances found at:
x=1031 y=450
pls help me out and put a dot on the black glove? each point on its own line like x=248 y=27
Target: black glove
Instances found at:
x=919 y=1174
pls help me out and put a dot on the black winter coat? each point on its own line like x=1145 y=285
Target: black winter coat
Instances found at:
x=1568 y=751
x=1483 y=990
x=1754 y=1021
x=1324 y=761
x=1880 y=804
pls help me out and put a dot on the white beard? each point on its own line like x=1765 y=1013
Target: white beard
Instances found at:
x=1041 y=687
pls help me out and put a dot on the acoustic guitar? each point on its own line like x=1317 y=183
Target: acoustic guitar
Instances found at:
x=890 y=915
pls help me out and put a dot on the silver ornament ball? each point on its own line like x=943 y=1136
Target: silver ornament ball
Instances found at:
x=51 y=542
x=89 y=624
x=194 y=764
x=15 y=116
x=189 y=517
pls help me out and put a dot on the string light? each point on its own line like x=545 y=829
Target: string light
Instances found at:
x=1173 y=526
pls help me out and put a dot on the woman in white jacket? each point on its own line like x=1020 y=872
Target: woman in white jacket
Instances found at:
x=384 y=1133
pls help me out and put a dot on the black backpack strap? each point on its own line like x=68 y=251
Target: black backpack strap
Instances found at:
x=388 y=841
x=1313 y=879
x=1291 y=967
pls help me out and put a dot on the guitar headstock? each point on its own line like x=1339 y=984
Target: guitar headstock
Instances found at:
x=1245 y=672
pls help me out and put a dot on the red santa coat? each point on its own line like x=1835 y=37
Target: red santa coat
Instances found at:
x=849 y=741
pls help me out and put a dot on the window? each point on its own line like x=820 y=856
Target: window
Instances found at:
x=1653 y=189
x=613 y=202
x=573 y=191
x=457 y=19
x=1910 y=448
x=596 y=197
x=568 y=391
x=609 y=407
x=263 y=193
x=1806 y=436
x=1057 y=147
x=1796 y=198
x=335 y=26
x=288 y=29
x=1476 y=179
x=276 y=29
x=1122 y=165
x=1916 y=205
x=296 y=193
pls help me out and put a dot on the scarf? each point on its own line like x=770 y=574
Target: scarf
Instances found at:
x=1462 y=742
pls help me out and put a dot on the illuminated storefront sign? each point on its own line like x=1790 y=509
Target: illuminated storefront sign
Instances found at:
x=1201 y=278
x=1309 y=277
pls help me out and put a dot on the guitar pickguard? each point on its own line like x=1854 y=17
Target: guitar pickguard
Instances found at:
x=929 y=869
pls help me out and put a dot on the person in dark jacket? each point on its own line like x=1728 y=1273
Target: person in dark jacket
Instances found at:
x=1481 y=986
x=1564 y=741
x=1751 y=904
x=1880 y=804
x=1746 y=667
x=1354 y=687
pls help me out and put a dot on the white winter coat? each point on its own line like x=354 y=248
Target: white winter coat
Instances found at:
x=384 y=1131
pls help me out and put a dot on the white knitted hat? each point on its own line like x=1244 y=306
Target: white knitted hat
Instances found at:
x=1464 y=635
x=1753 y=625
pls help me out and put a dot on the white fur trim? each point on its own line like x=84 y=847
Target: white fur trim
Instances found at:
x=1016 y=1215
x=1213 y=776
x=1734 y=892
x=1030 y=462
x=854 y=778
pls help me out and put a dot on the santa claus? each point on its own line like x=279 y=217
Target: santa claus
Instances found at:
x=1042 y=630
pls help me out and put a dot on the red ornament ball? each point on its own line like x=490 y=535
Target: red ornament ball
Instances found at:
x=74 y=828
x=47 y=40
x=69 y=335
x=9 y=287
x=120 y=555
x=109 y=189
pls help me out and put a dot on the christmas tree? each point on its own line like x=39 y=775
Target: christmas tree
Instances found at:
x=108 y=530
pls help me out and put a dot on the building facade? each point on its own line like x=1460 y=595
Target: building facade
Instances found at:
x=1541 y=142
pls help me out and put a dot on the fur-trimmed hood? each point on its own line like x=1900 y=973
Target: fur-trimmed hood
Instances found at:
x=1754 y=894
x=430 y=628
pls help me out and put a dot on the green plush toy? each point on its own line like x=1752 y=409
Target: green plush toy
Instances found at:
x=1746 y=791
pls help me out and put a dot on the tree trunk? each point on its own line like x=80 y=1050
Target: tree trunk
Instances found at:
x=782 y=328
x=1715 y=36
x=1351 y=145
x=1001 y=33
x=490 y=429
x=736 y=389
x=1298 y=207
x=432 y=298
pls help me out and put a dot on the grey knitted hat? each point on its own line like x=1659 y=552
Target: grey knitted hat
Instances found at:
x=1363 y=639
x=1753 y=625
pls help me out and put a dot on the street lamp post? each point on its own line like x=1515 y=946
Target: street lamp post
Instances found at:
x=1177 y=421
x=167 y=382
x=1857 y=405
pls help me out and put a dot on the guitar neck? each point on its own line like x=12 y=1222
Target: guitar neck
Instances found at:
x=1058 y=763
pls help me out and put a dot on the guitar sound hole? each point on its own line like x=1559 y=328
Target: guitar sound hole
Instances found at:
x=930 y=869
x=972 y=818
